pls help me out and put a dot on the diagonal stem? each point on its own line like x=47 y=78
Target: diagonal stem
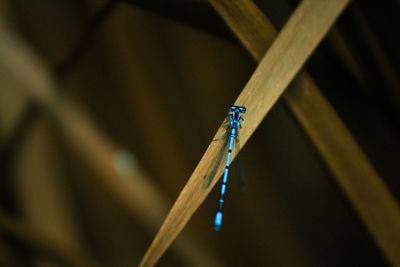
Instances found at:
x=304 y=30
x=341 y=153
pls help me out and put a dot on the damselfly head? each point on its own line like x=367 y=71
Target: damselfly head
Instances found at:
x=241 y=109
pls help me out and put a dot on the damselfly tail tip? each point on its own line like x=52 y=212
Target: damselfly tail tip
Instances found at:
x=218 y=220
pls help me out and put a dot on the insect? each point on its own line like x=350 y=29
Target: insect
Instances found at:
x=232 y=137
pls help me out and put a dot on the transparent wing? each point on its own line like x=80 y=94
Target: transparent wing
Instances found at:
x=220 y=156
x=224 y=132
x=240 y=177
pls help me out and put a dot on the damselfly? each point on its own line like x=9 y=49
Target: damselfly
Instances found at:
x=234 y=120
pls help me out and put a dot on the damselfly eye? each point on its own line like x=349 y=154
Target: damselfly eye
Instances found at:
x=242 y=109
x=232 y=108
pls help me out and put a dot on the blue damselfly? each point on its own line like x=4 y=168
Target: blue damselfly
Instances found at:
x=234 y=119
